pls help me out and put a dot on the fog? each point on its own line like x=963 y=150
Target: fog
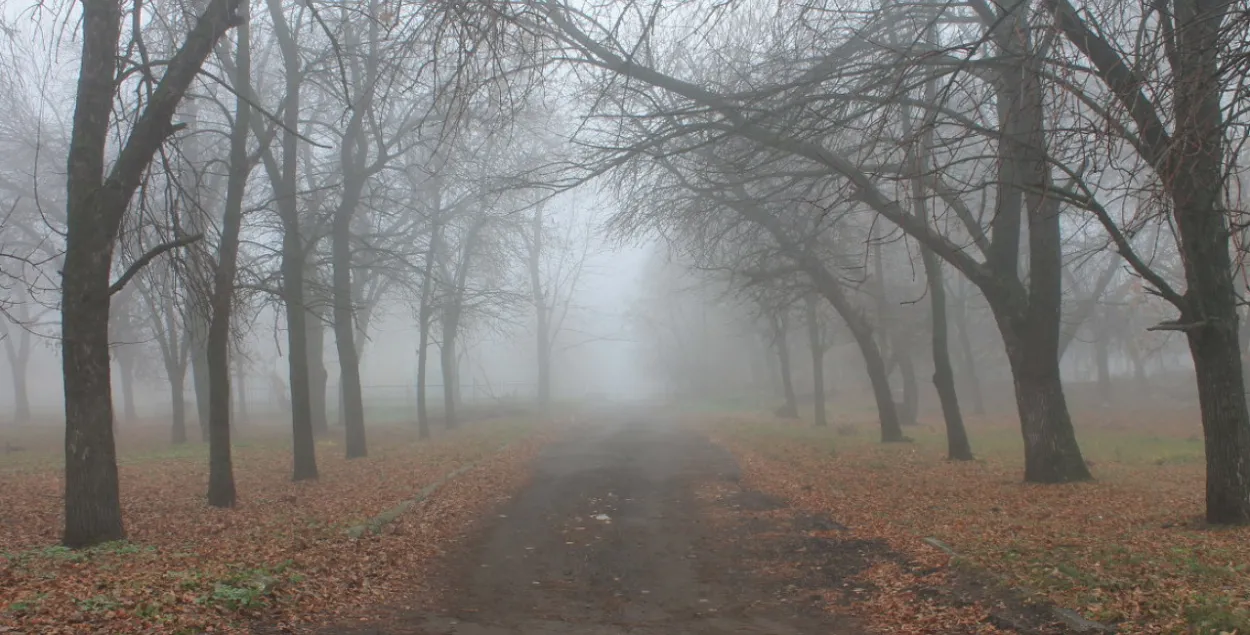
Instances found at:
x=335 y=219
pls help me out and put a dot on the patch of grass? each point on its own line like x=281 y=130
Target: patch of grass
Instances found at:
x=1215 y=614
x=98 y=604
x=249 y=588
x=29 y=605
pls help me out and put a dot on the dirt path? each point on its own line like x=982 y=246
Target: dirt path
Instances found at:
x=610 y=539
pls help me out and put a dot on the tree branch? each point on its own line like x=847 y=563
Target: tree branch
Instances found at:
x=138 y=265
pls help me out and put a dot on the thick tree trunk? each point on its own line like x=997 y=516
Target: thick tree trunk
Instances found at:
x=92 y=497
x=817 y=347
x=1225 y=422
x=1051 y=452
x=1210 y=318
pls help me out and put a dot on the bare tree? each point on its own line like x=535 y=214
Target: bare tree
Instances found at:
x=96 y=205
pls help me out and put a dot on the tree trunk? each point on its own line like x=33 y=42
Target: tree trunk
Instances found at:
x=21 y=395
x=92 y=497
x=240 y=392
x=425 y=317
x=909 y=410
x=221 y=489
x=968 y=358
x=126 y=363
x=350 y=398
x=19 y=360
x=817 y=346
x=541 y=311
x=199 y=375
x=178 y=404
x=1102 y=360
x=1211 y=313
x=318 y=378
x=1051 y=453
x=791 y=408
x=447 y=360
x=957 y=446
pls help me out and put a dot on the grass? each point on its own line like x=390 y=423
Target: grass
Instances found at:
x=283 y=552
x=1129 y=547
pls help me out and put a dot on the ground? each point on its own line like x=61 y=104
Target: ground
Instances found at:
x=612 y=537
x=645 y=522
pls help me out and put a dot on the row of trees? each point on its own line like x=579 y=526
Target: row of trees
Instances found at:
x=784 y=143
x=787 y=140
x=327 y=160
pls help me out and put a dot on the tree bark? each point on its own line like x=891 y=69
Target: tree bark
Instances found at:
x=817 y=346
x=199 y=375
x=425 y=318
x=95 y=209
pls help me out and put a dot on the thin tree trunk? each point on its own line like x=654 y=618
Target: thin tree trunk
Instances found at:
x=424 y=322
x=447 y=360
x=199 y=374
x=126 y=362
x=221 y=489
x=817 y=347
x=350 y=398
x=791 y=408
x=240 y=391
x=909 y=410
x=967 y=358
x=1102 y=361
x=19 y=361
x=178 y=404
x=957 y=446
x=293 y=254
x=541 y=311
x=318 y=378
